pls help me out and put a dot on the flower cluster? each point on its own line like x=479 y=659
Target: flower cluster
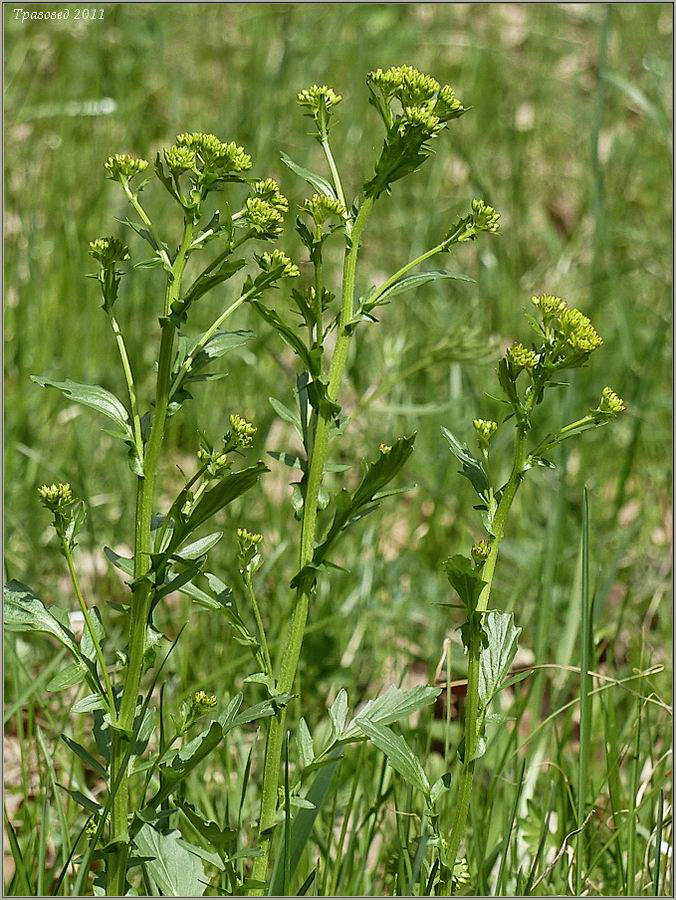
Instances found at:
x=215 y=461
x=413 y=89
x=107 y=251
x=419 y=117
x=322 y=208
x=122 y=167
x=569 y=334
x=241 y=431
x=578 y=331
x=610 y=404
x=318 y=96
x=180 y=158
x=384 y=449
x=263 y=218
x=268 y=190
x=211 y=154
x=485 y=429
x=247 y=542
x=483 y=218
x=203 y=702
x=480 y=552
x=271 y=261
x=521 y=357
x=55 y=497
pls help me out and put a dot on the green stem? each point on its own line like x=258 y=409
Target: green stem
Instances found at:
x=259 y=623
x=407 y=268
x=89 y=626
x=131 y=388
x=472 y=711
x=291 y=654
x=142 y=598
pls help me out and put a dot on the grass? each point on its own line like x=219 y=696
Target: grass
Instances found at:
x=570 y=139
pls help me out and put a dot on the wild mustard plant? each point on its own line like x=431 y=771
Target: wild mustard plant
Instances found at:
x=167 y=554
x=565 y=339
x=414 y=109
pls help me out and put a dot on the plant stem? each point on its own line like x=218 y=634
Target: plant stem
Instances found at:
x=142 y=597
x=472 y=711
x=89 y=626
x=131 y=388
x=294 y=642
x=407 y=268
x=259 y=623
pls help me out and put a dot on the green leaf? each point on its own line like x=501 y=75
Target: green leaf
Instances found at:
x=230 y=488
x=95 y=397
x=24 y=611
x=88 y=704
x=472 y=468
x=393 y=705
x=316 y=181
x=120 y=562
x=200 y=547
x=440 y=787
x=306 y=749
x=399 y=754
x=90 y=761
x=288 y=333
x=187 y=759
x=176 y=871
x=350 y=509
x=496 y=657
x=263 y=710
x=67 y=677
x=338 y=712
x=465 y=579
x=287 y=415
x=82 y=800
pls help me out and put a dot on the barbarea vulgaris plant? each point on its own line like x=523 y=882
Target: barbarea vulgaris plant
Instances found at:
x=415 y=110
x=565 y=339
x=144 y=772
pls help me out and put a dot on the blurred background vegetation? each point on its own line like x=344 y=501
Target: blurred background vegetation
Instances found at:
x=569 y=138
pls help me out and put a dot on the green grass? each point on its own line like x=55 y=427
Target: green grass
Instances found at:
x=570 y=138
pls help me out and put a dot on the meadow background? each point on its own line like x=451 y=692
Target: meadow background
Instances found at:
x=570 y=139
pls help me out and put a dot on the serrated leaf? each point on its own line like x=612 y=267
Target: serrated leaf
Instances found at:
x=175 y=870
x=24 y=611
x=399 y=755
x=392 y=706
x=316 y=181
x=497 y=654
x=472 y=468
x=93 y=396
x=465 y=580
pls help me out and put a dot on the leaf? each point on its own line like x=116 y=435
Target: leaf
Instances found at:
x=262 y=710
x=24 y=611
x=407 y=283
x=472 y=468
x=306 y=749
x=90 y=761
x=288 y=333
x=67 y=677
x=496 y=657
x=399 y=755
x=175 y=871
x=338 y=712
x=440 y=787
x=465 y=579
x=393 y=705
x=200 y=547
x=187 y=759
x=285 y=413
x=318 y=183
x=349 y=509
x=94 y=396
x=227 y=490
x=120 y=562
x=82 y=800
x=304 y=820
x=87 y=704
